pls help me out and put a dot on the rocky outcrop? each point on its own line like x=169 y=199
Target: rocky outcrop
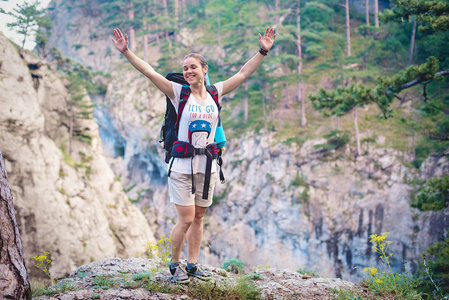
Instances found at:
x=69 y=204
x=127 y=279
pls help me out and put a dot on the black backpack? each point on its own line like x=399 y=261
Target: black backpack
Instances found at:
x=169 y=130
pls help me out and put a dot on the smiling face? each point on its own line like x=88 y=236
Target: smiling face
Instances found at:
x=194 y=69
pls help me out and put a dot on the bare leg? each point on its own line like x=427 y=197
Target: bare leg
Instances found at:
x=195 y=235
x=186 y=215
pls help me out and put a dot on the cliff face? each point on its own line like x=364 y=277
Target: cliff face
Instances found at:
x=74 y=207
x=281 y=206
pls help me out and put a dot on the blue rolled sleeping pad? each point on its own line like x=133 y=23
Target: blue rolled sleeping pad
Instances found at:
x=220 y=137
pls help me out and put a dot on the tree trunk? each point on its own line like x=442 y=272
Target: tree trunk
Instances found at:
x=367 y=12
x=245 y=105
x=132 y=32
x=165 y=8
x=72 y=116
x=412 y=43
x=287 y=98
x=24 y=38
x=145 y=36
x=176 y=12
x=376 y=13
x=277 y=5
x=150 y=107
x=348 y=30
x=14 y=280
x=156 y=26
x=184 y=8
x=376 y=18
x=264 y=97
x=249 y=55
x=165 y=4
x=264 y=109
x=357 y=137
x=220 y=58
x=299 y=65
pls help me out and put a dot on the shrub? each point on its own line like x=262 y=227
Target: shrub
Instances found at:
x=433 y=275
x=390 y=282
x=234 y=265
x=308 y=272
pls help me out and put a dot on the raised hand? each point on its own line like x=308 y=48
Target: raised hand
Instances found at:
x=120 y=42
x=268 y=39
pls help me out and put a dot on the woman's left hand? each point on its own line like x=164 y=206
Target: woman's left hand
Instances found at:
x=268 y=39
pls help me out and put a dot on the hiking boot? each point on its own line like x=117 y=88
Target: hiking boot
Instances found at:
x=179 y=274
x=198 y=272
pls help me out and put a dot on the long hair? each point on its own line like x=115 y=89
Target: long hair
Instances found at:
x=201 y=60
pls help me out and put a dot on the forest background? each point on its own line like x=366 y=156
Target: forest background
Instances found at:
x=387 y=76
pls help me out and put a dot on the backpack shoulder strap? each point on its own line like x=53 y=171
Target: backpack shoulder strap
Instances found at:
x=212 y=90
x=185 y=94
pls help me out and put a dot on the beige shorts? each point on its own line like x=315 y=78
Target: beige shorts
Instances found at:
x=180 y=189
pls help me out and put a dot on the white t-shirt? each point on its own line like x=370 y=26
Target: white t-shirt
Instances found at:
x=197 y=126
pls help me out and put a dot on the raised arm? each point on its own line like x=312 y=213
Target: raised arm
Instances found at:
x=245 y=72
x=162 y=83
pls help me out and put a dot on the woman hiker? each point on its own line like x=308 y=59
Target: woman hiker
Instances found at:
x=197 y=127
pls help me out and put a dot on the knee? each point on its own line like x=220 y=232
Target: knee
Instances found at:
x=198 y=219
x=185 y=224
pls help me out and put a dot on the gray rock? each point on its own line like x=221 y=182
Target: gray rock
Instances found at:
x=72 y=208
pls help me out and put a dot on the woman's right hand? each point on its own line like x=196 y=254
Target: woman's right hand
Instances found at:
x=120 y=42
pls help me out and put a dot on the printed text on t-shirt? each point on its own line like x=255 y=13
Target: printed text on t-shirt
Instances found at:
x=197 y=108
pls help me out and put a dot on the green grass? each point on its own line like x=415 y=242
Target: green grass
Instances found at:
x=308 y=272
x=105 y=282
x=254 y=276
x=339 y=294
x=39 y=288
x=241 y=288
x=400 y=285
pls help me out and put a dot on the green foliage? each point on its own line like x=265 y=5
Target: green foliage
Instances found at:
x=390 y=282
x=142 y=276
x=433 y=274
x=298 y=181
x=434 y=195
x=308 y=272
x=433 y=15
x=345 y=294
x=336 y=139
x=105 y=282
x=242 y=288
x=67 y=158
x=234 y=265
x=160 y=252
x=254 y=276
x=43 y=33
x=400 y=285
x=28 y=17
x=43 y=261
x=39 y=288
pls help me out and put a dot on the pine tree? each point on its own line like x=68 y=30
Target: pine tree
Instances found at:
x=42 y=35
x=343 y=99
x=432 y=15
x=28 y=16
x=79 y=108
